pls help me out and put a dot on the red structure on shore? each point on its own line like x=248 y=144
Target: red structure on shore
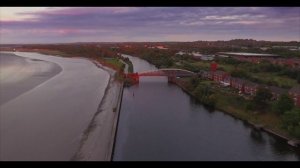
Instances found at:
x=133 y=76
x=170 y=73
x=213 y=66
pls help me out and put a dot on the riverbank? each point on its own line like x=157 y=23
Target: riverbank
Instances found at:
x=47 y=123
x=98 y=140
x=260 y=126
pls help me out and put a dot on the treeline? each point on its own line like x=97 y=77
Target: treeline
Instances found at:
x=91 y=51
x=262 y=102
x=129 y=63
x=202 y=91
x=157 y=57
x=245 y=69
x=78 y=50
x=284 y=107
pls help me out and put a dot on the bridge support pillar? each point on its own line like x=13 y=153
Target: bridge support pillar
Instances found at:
x=133 y=78
x=171 y=79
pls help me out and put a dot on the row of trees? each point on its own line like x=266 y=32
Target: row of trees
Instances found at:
x=246 y=70
x=284 y=107
x=157 y=57
x=202 y=91
x=262 y=102
x=263 y=66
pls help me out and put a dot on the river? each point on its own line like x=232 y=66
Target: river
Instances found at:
x=160 y=122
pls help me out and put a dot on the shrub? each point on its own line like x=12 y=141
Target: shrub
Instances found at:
x=291 y=122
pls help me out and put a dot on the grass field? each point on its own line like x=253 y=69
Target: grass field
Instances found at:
x=235 y=106
x=115 y=62
x=282 y=81
x=264 y=77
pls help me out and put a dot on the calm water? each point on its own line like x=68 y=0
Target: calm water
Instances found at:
x=47 y=122
x=20 y=74
x=158 y=121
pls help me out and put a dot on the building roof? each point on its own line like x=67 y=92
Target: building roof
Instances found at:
x=248 y=54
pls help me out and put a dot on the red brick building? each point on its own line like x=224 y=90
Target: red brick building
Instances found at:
x=207 y=74
x=219 y=76
x=290 y=62
x=237 y=83
x=250 y=87
x=226 y=81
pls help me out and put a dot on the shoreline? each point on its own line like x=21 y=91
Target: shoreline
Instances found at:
x=98 y=141
x=290 y=141
x=117 y=108
x=59 y=111
x=116 y=123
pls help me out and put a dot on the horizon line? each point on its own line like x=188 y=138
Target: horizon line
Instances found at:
x=142 y=42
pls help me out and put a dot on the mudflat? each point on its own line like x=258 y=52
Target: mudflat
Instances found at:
x=20 y=74
x=48 y=121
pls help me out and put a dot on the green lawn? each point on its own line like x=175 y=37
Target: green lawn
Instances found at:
x=282 y=81
x=201 y=64
x=115 y=62
x=227 y=68
x=235 y=105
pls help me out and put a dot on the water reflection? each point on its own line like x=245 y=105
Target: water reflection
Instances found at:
x=162 y=122
x=280 y=146
x=257 y=136
x=195 y=103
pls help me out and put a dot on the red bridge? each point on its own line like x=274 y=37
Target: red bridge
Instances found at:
x=170 y=73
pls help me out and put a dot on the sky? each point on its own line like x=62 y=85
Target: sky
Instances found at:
x=140 y=24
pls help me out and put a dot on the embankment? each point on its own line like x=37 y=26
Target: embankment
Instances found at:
x=290 y=140
x=98 y=140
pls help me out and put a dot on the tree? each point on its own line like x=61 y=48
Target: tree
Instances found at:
x=298 y=78
x=193 y=82
x=291 y=122
x=250 y=106
x=200 y=91
x=283 y=104
x=204 y=93
x=261 y=98
x=239 y=73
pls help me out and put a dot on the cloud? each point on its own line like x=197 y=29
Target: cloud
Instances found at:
x=153 y=23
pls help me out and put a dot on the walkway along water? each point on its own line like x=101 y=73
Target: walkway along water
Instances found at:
x=99 y=137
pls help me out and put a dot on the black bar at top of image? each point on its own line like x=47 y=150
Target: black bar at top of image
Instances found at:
x=128 y=3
